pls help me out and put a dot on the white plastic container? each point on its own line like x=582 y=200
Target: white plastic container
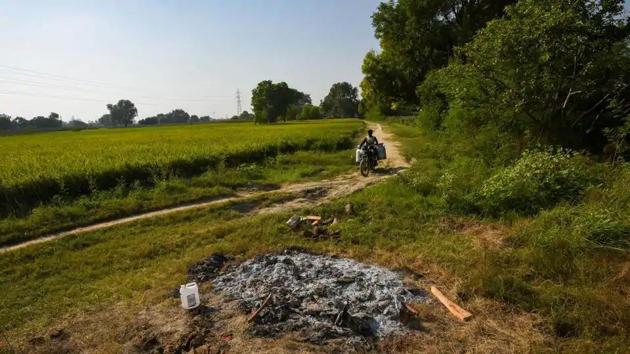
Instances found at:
x=358 y=155
x=189 y=294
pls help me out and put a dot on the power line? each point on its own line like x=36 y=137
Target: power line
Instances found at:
x=58 y=81
x=39 y=95
x=83 y=90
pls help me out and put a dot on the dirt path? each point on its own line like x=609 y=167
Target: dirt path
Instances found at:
x=307 y=194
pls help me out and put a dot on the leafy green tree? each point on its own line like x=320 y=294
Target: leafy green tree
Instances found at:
x=342 y=101
x=293 y=112
x=546 y=72
x=77 y=124
x=5 y=122
x=41 y=122
x=271 y=101
x=106 y=120
x=415 y=37
x=123 y=112
x=19 y=123
x=310 y=112
x=245 y=115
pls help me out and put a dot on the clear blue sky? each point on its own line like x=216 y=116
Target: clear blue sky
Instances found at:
x=82 y=54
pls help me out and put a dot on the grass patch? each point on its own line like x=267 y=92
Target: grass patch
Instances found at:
x=126 y=199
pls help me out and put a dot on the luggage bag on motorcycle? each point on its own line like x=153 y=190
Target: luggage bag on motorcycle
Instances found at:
x=380 y=151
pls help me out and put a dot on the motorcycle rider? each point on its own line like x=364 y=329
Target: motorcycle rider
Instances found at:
x=369 y=142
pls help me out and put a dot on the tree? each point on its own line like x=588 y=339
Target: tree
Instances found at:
x=176 y=116
x=148 y=121
x=194 y=119
x=5 y=122
x=106 y=120
x=41 y=122
x=19 y=123
x=76 y=123
x=271 y=101
x=293 y=112
x=123 y=112
x=204 y=119
x=246 y=116
x=549 y=72
x=342 y=101
x=310 y=112
x=415 y=37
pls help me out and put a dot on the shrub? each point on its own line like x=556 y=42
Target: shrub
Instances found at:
x=539 y=179
x=458 y=184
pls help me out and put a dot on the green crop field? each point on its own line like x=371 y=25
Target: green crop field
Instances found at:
x=36 y=167
x=59 y=180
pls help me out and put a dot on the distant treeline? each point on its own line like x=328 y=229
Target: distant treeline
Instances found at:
x=274 y=102
x=271 y=102
x=52 y=122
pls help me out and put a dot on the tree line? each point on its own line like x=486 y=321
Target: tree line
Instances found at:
x=273 y=102
x=532 y=71
x=53 y=121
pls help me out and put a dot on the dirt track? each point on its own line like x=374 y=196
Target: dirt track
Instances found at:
x=325 y=190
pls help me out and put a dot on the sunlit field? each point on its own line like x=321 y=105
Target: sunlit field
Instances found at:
x=56 y=181
x=36 y=167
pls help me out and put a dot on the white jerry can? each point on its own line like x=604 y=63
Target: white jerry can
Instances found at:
x=189 y=294
x=358 y=155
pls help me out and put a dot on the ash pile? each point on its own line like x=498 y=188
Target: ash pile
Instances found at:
x=317 y=297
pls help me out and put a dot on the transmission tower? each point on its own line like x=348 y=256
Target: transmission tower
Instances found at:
x=238 y=102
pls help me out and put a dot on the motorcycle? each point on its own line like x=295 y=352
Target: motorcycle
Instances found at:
x=368 y=157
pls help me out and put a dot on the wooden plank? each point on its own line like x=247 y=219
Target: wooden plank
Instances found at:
x=459 y=312
x=253 y=316
x=410 y=309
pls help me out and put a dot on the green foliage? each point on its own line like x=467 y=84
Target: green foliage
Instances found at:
x=293 y=112
x=122 y=113
x=618 y=135
x=341 y=102
x=310 y=112
x=175 y=116
x=459 y=182
x=245 y=115
x=272 y=101
x=539 y=179
x=546 y=72
x=5 y=122
x=417 y=36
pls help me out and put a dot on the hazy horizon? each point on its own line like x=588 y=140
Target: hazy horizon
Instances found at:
x=74 y=57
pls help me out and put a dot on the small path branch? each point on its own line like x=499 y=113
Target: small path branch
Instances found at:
x=255 y=314
x=459 y=312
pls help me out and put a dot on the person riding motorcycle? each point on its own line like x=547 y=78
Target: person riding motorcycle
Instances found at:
x=369 y=143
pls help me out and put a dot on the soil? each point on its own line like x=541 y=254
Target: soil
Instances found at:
x=305 y=194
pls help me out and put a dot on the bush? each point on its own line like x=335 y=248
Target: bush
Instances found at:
x=310 y=112
x=539 y=179
x=458 y=184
